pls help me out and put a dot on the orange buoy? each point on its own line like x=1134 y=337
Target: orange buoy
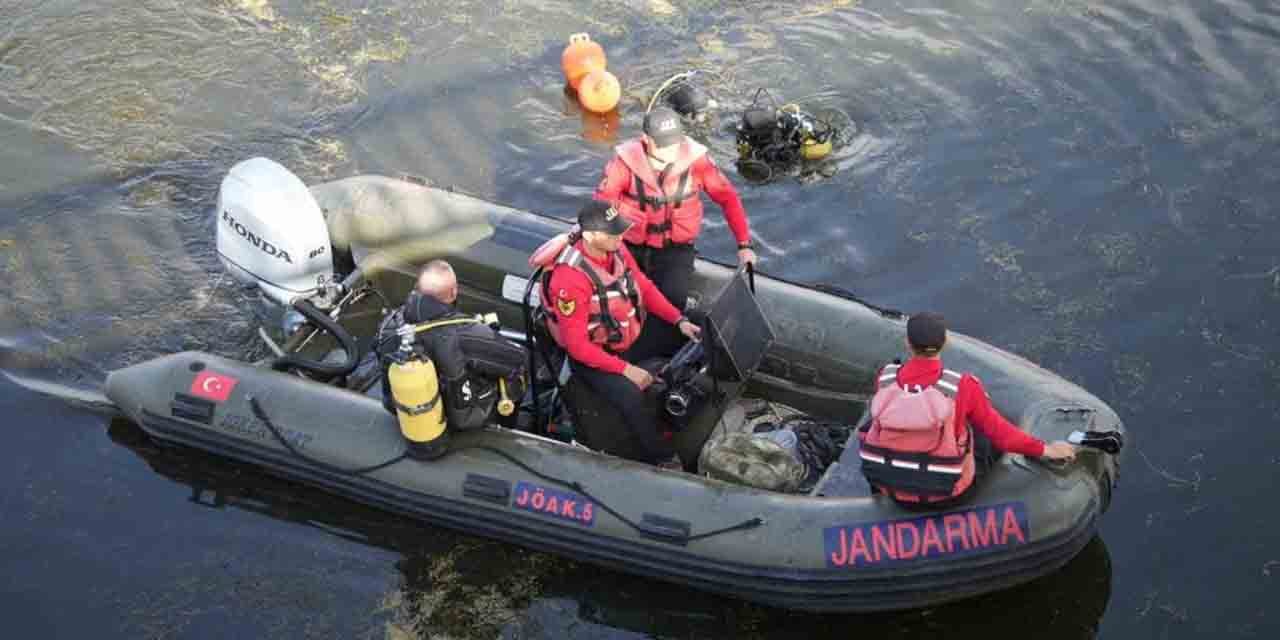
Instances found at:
x=580 y=57
x=599 y=91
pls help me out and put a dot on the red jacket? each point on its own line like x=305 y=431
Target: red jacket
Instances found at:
x=973 y=405
x=576 y=290
x=680 y=224
x=616 y=299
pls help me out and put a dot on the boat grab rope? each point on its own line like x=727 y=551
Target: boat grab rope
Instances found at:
x=262 y=415
x=570 y=484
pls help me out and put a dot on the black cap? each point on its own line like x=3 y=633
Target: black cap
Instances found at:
x=600 y=216
x=663 y=125
x=927 y=330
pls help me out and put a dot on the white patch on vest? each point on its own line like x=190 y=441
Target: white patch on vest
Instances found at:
x=596 y=325
x=871 y=456
x=513 y=290
x=667 y=125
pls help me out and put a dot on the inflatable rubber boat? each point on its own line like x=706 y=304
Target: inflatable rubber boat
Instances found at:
x=1075 y=597
x=326 y=259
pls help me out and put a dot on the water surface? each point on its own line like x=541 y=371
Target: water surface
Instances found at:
x=1088 y=184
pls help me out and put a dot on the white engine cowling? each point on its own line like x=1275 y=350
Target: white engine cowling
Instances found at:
x=271 y=233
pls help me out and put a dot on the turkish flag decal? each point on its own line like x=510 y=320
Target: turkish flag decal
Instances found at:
x=214 y=386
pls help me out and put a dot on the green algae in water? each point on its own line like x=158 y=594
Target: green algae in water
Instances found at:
x=151 y=192
x=1121 y=253
x=128 y=113
x=394 y=51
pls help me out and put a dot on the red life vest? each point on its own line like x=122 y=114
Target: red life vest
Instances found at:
x=916 y=449
x=615 y=314
x=664 y=207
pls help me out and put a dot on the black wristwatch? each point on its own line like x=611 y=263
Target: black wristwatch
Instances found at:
x=745 y=245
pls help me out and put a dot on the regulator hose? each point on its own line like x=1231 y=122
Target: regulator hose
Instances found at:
x=325 y=369
x=535 y=349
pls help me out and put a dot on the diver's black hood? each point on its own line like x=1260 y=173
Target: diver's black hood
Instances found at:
x=421 y=307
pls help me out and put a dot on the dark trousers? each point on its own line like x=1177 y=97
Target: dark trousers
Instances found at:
x=639 y=417
x=671 y=269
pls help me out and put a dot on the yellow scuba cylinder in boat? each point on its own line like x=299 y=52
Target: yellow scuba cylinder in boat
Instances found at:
x=415 y=390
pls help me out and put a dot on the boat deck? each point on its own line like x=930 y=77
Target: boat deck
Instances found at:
x=844 y=479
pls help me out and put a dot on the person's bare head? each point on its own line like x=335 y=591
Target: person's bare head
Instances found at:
x=437 y=279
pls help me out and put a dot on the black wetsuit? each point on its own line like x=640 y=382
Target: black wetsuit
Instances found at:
x=469 y=359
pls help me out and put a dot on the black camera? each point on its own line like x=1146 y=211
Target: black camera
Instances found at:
x=676 y=403
x=683 y=384
x=682 y=402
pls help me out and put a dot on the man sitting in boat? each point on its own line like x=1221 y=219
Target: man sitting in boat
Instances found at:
x=476 y=365
x=933 y=432
x=597 y=300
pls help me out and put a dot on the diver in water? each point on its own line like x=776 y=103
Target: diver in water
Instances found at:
x=655 y=181
x=776 y=139
x=477 y=366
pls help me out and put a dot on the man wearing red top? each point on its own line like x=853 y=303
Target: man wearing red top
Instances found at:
x=655 y=181
x=992 y=433
x=599 y=302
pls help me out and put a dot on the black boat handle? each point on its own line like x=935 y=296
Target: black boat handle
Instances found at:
x=664 y=529
x=486 y=488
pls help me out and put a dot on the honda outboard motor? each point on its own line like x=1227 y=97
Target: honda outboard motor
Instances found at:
x=271 y=233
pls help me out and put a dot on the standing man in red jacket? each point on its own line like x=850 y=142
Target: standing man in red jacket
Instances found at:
x=598 y=299
x=655 y=181
x=921 y=402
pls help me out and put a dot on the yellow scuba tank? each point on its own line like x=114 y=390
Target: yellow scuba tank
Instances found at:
x=415 y=389
x=811 y=149
x=416 y=392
